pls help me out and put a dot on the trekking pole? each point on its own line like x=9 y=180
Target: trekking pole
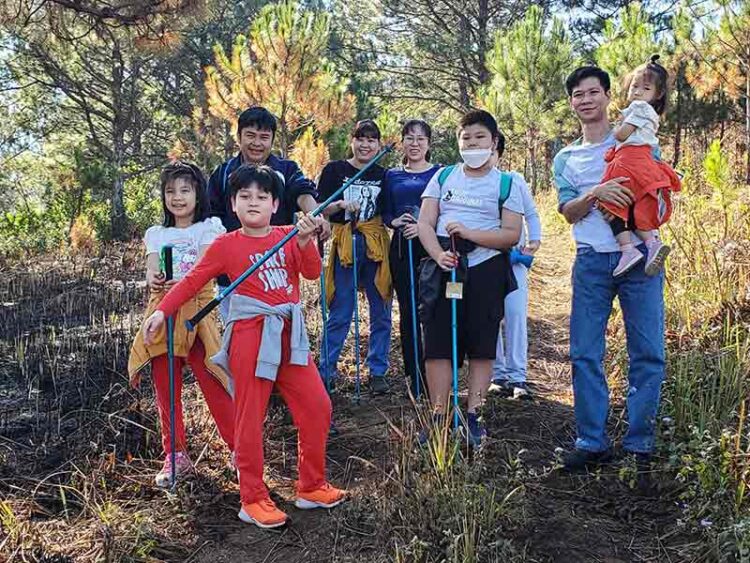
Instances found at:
x=168 y=274
x=417 y=371
x=324 y=315
x=355 y=282
x=211 y=305
x=454 y=341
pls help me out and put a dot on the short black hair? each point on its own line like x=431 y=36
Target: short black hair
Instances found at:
x=366 y=128
x=258 y=117
x=266 y=178
x=191 y=172
x=481 y=117
x=582 y=73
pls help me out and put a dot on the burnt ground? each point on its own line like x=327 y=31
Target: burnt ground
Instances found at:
x=78 y=447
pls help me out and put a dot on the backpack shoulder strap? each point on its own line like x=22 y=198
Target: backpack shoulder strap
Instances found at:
x=506 y=183
x=444 y=173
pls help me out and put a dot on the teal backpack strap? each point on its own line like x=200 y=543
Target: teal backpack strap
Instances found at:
x=444 y=173
x=506 y=183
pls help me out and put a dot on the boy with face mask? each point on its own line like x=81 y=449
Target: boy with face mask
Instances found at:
x=462 y=226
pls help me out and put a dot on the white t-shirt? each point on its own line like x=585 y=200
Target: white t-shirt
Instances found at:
x=644 y=118
x=474 y=203
x=186 y=242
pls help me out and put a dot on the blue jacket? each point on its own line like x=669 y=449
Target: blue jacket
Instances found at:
x=295 y=185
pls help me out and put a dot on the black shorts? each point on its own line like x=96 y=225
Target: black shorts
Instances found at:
x=479 y=313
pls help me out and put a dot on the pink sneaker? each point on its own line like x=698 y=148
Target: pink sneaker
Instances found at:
x=183 y=466
x=657 y=255
x=630 y=257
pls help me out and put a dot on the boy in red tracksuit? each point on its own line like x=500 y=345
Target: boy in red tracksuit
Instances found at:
x=265 y=342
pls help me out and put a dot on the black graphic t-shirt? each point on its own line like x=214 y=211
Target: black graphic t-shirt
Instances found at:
x=367 y=189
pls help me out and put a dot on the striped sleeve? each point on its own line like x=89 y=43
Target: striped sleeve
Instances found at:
x=566 y=191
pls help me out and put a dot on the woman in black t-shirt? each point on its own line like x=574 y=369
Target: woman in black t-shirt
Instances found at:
x=357 y=214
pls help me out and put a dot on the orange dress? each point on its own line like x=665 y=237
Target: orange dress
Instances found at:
x=651 y=182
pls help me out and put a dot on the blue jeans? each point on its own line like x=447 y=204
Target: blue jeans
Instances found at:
x=642 y=302
x=342 y=309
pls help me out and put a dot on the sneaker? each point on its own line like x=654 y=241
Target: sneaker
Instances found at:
x=520 y=391
x=182 y=466
x=477 y=431
x=657 y=255
x=326 y=496
x=379 y=385
x=264 y=514
x=630 y=257
x=500 y=388
x=438 y=421
x=578 y=460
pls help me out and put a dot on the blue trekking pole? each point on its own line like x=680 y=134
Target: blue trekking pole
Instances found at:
x=417 y=371
x=211 y=305
x=324 y=315
x=168 y=274
x=454 y=341
x=355 y=281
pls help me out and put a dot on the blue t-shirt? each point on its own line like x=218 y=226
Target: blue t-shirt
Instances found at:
x=402 y=191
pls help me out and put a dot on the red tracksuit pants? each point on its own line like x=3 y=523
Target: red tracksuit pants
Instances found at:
x=219 y=402
x=302 y=391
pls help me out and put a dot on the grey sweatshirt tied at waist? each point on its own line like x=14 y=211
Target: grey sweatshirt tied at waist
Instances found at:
x=269 y=354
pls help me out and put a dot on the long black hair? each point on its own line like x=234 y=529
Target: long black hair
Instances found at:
x=193 y=174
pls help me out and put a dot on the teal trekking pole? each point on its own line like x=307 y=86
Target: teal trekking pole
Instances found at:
x=168 y=275
x=211 y=305
x=415 y=335
x=454 y=340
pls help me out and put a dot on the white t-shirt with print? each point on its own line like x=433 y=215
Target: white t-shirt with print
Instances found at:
x=185 y=242
x=474 y=203
x=644 y=118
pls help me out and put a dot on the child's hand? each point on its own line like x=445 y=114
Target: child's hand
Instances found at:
x=447 y=260
x=307 y=227
x=531 y=247
x=151 y=326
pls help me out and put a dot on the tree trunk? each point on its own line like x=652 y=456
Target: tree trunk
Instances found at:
x=118 y=218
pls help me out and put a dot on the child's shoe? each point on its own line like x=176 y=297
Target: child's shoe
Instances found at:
x=182 y=465
x=630 y=257
x=657 y=255
x=326 y=496
x=477 y=431
x=264 y=514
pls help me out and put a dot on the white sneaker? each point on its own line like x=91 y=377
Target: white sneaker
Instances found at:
x=183 y=466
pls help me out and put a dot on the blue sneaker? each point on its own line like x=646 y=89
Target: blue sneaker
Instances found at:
x=477 y=431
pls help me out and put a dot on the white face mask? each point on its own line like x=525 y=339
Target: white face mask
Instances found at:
x=476 y=158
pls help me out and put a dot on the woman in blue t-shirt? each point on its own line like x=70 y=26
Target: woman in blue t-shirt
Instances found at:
x=402 y=198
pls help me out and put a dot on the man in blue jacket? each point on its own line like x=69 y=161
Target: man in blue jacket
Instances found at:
x=256 y=129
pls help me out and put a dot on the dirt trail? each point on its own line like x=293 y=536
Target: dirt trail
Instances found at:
x=567 y=519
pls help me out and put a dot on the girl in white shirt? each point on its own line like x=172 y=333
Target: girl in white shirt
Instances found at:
x=633 y=162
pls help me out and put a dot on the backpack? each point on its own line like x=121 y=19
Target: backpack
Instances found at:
x=506 y=183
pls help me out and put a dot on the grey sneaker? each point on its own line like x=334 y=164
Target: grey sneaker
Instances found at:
x=379 y=385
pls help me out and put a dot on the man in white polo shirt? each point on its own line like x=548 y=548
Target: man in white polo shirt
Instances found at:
x=578 y=170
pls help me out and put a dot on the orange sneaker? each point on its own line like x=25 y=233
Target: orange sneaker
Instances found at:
x=264 y=514
x=326 y=496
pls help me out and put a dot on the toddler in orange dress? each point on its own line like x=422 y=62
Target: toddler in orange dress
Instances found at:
x=650 y=179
